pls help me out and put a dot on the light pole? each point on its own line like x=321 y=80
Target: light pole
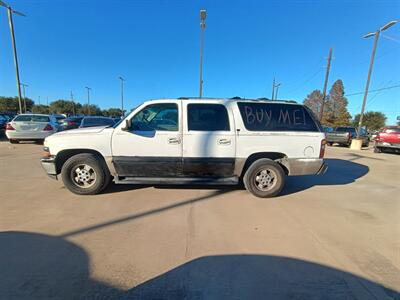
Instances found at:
x=376 y=34
x=10 y=12
x=203 y=15
x=23 y=89
x=73 y=104
x=88 y=99
x=276 y=91
x=122 y=94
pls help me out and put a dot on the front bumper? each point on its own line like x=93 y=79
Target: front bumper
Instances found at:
x=307 y=166
x=49 y=165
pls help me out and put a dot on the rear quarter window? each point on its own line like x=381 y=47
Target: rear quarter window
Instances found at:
x=276 y=117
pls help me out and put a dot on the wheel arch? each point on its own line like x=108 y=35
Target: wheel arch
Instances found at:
x=280 y=158
x=64 y=155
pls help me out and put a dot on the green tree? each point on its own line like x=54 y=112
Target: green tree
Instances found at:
x=94 y=110
x=64 y=107
x=112 y=112
x=373 y=120
x=314 y=101
x=11 y=104
x=335 y=111
x=40 y=109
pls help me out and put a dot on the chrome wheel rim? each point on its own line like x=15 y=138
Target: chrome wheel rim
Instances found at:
x=265 y=179
x=84 y=176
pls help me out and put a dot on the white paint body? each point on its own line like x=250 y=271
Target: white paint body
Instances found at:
x=238 y=142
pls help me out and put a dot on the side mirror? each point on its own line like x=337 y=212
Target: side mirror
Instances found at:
x=127 y=125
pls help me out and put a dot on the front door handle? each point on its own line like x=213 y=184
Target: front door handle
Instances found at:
x=174 y=141
x=224 y=142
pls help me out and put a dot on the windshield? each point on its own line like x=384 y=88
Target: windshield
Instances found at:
x=392 y=130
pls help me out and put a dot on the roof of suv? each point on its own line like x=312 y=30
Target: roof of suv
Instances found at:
x=235 y=99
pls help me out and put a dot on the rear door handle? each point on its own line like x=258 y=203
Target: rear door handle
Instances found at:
x=174 y=141
x=224 y=142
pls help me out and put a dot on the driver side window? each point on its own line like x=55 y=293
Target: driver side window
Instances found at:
x=156 y=117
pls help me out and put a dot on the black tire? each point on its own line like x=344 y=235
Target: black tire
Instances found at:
x=249 y=178
x=377 y=149
x=12 y=141
x=329 y=144
x=39 y=142
x=95 y=164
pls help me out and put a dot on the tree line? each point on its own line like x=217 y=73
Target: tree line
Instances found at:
x=10 y=104
x=335 y=111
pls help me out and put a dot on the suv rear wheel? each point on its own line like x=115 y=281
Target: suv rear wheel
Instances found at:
x=264 y=178
x=85 y=174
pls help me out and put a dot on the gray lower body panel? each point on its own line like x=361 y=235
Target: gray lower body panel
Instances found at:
x=49 y=165
x=306 y=166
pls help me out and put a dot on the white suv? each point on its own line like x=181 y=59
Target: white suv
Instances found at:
x=194 y=141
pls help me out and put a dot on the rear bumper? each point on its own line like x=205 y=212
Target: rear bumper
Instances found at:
x=307 y=166
x=40 y=135
x=387 y=145
x=49 y=166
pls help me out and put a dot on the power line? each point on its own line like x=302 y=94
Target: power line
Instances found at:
x=377 y=90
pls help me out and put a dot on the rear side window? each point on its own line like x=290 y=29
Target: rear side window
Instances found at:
x=208 y=117
x=32 y=118
x=276 y=117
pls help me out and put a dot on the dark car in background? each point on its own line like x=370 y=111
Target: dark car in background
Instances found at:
x=343 y=135
x=3 y=122
x=71 y=122
x=96 y=121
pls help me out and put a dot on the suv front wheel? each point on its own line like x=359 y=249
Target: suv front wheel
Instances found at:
x=85 y=174
x=264 y=178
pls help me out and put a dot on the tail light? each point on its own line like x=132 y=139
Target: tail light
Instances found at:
x=48 y=128
x=322 y=150
x=71 y=123
x=9 y=127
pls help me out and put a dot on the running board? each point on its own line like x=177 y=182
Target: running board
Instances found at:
x=177 y=180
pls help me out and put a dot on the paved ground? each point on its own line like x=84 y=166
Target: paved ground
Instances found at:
x=335 y=236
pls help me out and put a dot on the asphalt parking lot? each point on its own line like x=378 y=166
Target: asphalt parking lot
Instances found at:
x=335 y=236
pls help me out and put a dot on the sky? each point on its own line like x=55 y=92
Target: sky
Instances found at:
x=64 y=46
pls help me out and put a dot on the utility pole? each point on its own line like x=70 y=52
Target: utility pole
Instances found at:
x=23 y=89
x=371 y=64
x=88 y=99
x=328 y=68
x=203 y=15
x=10 y=12
x=122 y=94
x=73 y=104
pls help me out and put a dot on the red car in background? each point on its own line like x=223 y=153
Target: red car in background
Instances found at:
x=388 y=138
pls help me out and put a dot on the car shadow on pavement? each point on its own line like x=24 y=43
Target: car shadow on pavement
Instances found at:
x=38 y=266
x=340 y=172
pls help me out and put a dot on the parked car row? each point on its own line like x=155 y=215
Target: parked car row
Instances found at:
x=36 y=127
